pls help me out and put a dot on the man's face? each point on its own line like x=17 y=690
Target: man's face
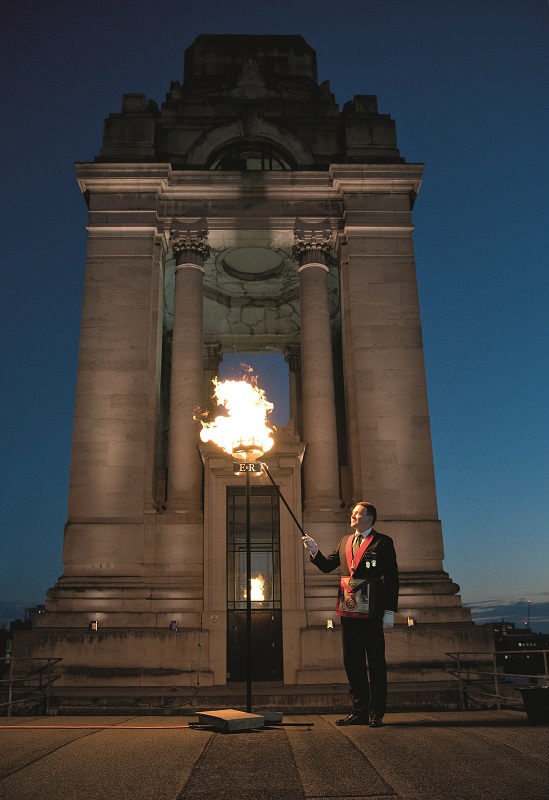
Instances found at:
x=360 y=519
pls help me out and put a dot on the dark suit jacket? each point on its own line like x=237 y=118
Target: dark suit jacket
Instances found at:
x=383 y=577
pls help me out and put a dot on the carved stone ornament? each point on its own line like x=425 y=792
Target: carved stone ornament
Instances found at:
x=192 y=238
x=251 y=82
x=212 y=357
x=311 y=236
x=292 y=356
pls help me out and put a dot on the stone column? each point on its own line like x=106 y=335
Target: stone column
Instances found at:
x=321 y=470
x=190 y=246
x=212 y=358
x=292 y=356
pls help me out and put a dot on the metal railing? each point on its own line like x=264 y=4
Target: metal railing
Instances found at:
x=477 y=672
x=26 y=682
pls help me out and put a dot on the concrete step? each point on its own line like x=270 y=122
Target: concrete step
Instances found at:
x=314 y=699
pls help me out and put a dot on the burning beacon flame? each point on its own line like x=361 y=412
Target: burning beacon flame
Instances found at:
x=257 y=594
x=242 y=431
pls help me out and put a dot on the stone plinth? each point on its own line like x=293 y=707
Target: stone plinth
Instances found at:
x=122 y=658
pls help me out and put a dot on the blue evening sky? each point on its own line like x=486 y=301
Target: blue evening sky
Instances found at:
x=467 y=83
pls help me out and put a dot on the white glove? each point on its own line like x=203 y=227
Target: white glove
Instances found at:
x=388 y=620
x=310 y=545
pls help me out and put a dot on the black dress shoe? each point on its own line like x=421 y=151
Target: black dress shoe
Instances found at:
x=375 y=721
x=354 y=719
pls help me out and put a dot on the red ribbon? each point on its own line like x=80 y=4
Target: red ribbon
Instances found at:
x=359 y=553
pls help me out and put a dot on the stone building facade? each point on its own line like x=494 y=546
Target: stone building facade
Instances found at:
x=247 y=214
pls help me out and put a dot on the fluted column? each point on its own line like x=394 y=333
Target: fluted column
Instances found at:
x=190 y=246
x=321 y=470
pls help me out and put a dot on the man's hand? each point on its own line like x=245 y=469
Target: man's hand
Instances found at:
x=310 y=545
x=388 y=620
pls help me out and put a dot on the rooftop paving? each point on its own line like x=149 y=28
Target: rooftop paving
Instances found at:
x=457 y=755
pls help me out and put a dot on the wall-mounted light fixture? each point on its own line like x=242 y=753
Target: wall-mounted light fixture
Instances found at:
x=330 y=624
x=173 y=625
x=411 y=622
x=93 y=625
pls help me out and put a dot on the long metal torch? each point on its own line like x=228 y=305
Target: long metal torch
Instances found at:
x=266 y=468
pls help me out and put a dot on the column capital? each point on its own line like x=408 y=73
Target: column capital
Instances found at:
x=292 y=356
x=189 y=241
x=312 y=242
x=212 y=356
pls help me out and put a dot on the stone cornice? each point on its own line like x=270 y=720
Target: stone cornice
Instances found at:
x=122 y=177
x=293 y=185
x=372 y=178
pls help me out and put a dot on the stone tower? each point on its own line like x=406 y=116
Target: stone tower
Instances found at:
x=247 y=214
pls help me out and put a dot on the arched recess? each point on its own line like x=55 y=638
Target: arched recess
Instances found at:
x=202 y=151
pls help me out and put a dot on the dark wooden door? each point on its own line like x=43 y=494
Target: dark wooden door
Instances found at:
x=266 y=646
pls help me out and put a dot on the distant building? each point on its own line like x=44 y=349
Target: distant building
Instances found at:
x=522 y=644
x=32 y=614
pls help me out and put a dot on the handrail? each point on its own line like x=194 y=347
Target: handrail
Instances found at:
x=16 y=682
x=463 y=670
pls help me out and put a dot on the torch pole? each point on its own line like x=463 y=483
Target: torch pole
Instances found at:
x=248 y=599
x=266 y=468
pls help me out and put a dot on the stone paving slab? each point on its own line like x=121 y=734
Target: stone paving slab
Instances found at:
x=331 y=765
x=246 y=766
x=426 y=757
x=492 y=755
x=99 y=764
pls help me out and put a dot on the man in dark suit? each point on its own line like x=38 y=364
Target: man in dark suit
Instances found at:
x=367 y=601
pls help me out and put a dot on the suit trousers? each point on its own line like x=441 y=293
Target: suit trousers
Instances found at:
x=364 y=660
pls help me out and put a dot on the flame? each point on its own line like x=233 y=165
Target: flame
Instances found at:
x=257 y=594
x=244 y=425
